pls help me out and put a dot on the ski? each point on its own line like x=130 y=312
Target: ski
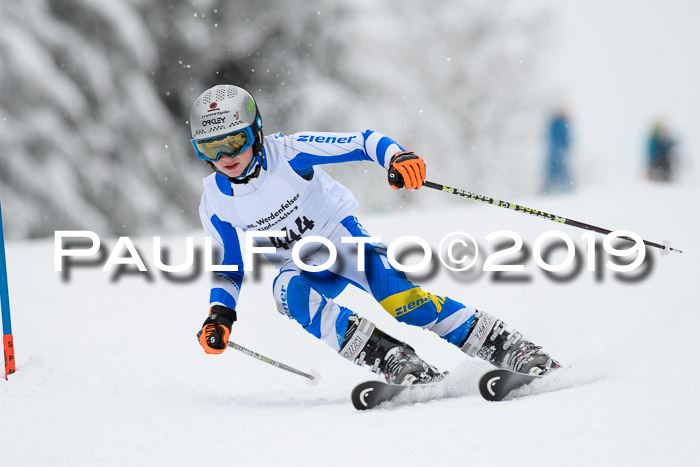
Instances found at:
x=495 y=385
x=371 y=394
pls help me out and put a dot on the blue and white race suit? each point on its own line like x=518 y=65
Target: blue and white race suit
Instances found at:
x=292 y=194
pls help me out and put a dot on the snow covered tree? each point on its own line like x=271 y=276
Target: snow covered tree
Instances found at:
x=87 y=141
x=95 y=96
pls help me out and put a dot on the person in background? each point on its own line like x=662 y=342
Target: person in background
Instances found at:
x=660 y=155
x=559 y=142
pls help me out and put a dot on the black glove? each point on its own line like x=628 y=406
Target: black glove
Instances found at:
x=407 y=170
x=216 y=328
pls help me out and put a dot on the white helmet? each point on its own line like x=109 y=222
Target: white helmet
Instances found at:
x=224 y=111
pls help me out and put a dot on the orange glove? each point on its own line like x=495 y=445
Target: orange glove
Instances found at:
x=216 y=328
x=407 y=170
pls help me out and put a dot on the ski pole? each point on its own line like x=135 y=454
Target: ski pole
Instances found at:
x=267 y=360
x=272 y=362
x=665 y=247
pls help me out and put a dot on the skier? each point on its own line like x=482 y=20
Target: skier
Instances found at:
x=660 y=153
x=559 y=142
x=275 y=183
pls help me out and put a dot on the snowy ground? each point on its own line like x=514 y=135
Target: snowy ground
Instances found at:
x=111 y=373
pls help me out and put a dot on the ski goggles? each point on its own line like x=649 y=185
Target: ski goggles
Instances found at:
x=230 y=144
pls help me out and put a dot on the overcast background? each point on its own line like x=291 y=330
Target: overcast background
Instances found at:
x=95 y=96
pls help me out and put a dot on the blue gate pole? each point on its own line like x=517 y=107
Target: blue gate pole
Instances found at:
x=7 y=341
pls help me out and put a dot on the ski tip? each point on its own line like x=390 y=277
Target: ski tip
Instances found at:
x=370 y=394
x=495 y=385
x=490 y=386
x=363 y=397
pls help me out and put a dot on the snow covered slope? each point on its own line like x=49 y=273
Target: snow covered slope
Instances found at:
x=110 y=373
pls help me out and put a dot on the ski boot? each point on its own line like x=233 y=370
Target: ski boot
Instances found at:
x=364 y=344
x=491 y=340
